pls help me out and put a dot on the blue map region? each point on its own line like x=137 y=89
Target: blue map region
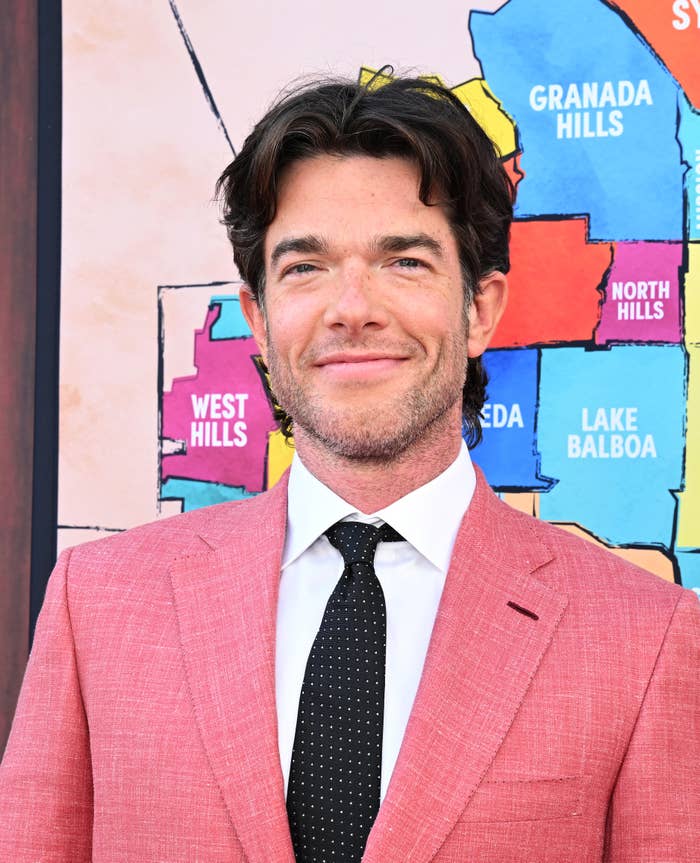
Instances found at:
x=622 y=168
x=689 y=137
x=195 y=494
x=508 y=452
x=230 y=324
x=611 y=430
x=689 y=565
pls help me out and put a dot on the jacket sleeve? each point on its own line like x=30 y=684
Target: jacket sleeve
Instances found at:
x=45 y=775
x=654 y=813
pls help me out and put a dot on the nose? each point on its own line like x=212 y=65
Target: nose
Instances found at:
x=356 y=302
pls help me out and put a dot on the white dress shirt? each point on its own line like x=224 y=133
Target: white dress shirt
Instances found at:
x=412 y=575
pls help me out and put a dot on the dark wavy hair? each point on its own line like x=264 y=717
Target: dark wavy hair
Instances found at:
x=411 y=118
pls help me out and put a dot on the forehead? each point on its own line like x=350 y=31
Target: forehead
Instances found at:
x=351 y=198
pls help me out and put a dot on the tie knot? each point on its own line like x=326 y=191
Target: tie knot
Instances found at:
x=357 y=542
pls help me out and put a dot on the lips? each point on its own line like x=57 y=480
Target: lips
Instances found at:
x=354 y=366
x=353 y=358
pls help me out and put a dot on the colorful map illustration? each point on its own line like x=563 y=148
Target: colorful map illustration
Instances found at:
x=593 y=420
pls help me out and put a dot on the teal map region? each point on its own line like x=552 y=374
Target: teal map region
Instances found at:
x=689 y=564
x=195 y=494
x=610 y=429
x=230 y=323
x=689 y=138
x=596 y=115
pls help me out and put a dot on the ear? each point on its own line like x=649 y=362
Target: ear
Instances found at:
x=255 y=318
x=485 y=312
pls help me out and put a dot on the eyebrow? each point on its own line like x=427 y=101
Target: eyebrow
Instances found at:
x=308 y=245
x=403 y=242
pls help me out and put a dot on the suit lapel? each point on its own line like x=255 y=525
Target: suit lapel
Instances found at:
x=482 y=657
x=226 y=604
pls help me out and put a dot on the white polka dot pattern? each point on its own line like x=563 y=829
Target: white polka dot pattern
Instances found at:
x=335 y=774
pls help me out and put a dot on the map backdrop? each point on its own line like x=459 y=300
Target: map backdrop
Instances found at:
x=593 y=420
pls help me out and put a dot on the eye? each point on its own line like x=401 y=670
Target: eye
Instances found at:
x=408 y=263
x=299 y=269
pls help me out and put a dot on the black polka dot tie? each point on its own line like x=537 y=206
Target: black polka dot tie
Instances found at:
x=336 y=770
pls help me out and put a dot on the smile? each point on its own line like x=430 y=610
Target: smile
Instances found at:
x=354 y=366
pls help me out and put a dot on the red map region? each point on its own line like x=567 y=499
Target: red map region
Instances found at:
x=553 y=281
x=222 y=413
x=514 y=171
x=672 y=30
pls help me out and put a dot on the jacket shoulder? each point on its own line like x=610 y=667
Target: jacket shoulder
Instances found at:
x=158 y=543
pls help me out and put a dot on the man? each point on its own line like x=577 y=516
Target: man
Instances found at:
x=253 y=681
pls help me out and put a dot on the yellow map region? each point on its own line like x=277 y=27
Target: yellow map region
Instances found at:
x=279 y=456
x=689 y=512
x=478 y=98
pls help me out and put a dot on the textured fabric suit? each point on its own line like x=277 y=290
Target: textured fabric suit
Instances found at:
x=146 y=728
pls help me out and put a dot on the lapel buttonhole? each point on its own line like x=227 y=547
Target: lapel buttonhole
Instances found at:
x=522 y=610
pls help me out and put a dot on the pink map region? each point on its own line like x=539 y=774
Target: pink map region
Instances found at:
x=226 y=437
x=642 y=297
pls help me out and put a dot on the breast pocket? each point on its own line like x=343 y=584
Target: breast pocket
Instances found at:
x=527 y=799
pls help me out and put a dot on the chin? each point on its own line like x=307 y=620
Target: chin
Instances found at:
x=376 y=429
x=364 y=449
x=357 y=439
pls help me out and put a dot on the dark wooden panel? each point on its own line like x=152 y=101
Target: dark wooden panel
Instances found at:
x=18 y=185
x=48 y=304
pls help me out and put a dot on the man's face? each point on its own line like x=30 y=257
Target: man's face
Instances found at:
x=364 y=329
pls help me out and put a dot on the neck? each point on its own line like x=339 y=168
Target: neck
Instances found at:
x=371 y=485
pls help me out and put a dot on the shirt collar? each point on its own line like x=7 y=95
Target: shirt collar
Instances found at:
x=428 y=517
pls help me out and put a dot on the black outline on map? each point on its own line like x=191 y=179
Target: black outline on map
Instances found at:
x=208 y=95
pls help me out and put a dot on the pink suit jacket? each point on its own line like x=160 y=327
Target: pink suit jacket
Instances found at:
x=146 y=727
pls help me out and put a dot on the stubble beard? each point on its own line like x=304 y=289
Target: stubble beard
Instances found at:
x=375 y=433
